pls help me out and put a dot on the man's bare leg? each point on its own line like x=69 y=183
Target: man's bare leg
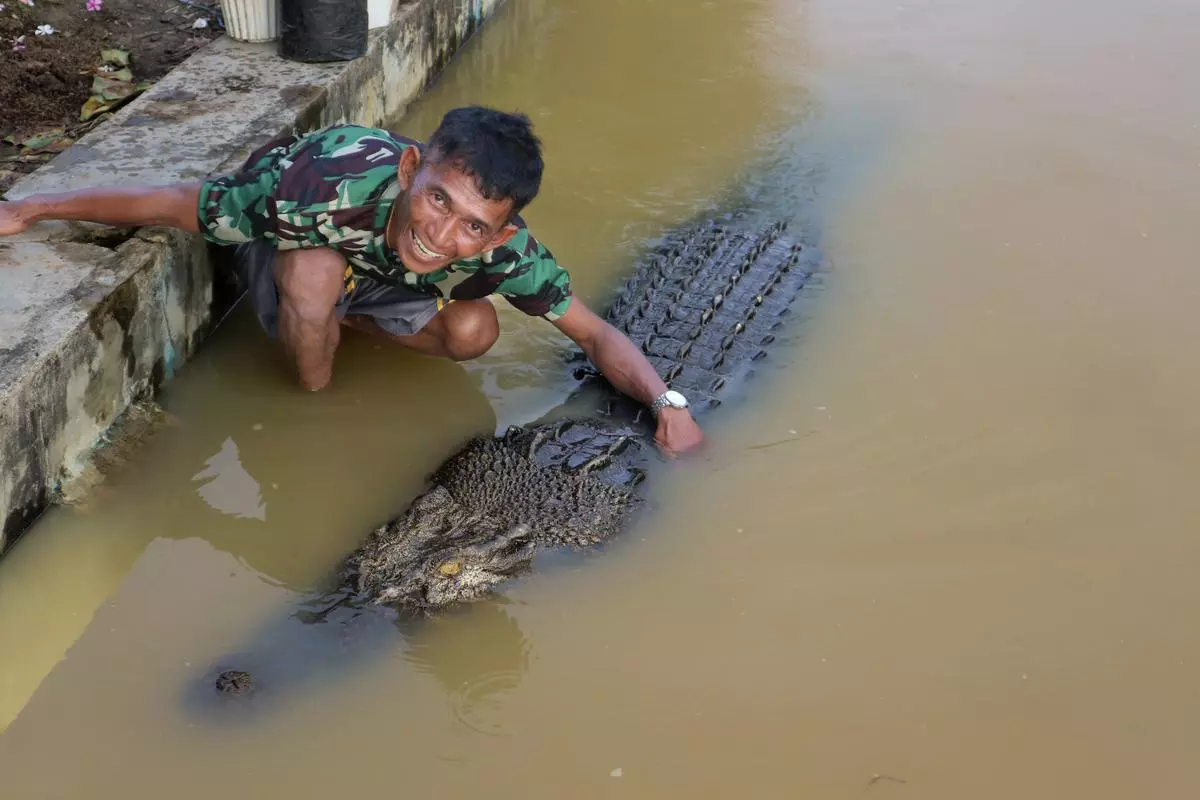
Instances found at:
x=310 y=283
x=463 y=330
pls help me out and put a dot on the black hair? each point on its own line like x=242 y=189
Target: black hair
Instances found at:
x=498 y=148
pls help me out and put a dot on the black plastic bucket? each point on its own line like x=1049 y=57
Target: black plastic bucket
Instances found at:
x=322 y=30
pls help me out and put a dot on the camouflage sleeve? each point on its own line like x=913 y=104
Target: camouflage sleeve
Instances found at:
x=526 y=274
x=236 y=208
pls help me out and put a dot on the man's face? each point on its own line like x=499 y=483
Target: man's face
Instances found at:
x=442 y=217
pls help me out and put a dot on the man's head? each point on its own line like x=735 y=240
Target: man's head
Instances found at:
x=479 y=169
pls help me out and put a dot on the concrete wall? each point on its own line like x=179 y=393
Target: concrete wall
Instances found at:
x=92 y=319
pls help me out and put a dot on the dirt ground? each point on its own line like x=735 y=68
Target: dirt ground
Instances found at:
x=46 y=80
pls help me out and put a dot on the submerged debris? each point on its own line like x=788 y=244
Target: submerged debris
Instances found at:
x=235 y=682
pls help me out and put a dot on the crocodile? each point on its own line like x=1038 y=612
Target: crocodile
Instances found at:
x=704 y=305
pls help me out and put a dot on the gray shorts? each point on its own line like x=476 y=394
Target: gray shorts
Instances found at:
x=396 y=309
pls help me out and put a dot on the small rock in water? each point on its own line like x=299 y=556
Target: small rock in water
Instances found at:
x=235 y=682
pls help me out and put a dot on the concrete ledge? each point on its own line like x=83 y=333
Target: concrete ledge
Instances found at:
x=93 y=319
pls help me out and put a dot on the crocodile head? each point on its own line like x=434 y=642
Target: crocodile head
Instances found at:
x=437 y=554
x=489 y=508
x=458 y=573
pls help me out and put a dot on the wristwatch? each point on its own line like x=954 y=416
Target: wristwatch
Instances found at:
x=670 y=398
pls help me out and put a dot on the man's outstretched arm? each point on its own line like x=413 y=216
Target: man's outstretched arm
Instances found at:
x=627 y=369
x=173 y=206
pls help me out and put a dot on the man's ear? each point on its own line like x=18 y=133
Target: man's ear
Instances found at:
x=410 y=162
x=503 y=235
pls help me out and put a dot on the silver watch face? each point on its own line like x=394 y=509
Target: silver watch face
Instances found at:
x=675 y=398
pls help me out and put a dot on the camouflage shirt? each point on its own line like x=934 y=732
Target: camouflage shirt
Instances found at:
x=335 y=188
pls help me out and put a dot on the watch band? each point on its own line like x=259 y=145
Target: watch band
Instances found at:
x=664 y=400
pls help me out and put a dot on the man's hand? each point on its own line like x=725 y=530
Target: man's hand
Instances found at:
x=677 y=432
x=12 y=219
x=626 y=368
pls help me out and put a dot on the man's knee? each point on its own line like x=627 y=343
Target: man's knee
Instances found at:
x=471 y=328
x=310 y=282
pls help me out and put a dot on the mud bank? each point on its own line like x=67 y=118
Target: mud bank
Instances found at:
x=92 y=319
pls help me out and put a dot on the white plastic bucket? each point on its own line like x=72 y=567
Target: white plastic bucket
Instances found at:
x=379 y=13
x=251 y=20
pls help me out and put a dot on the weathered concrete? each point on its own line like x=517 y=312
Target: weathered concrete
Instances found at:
x=84 y=331
x=92 y=319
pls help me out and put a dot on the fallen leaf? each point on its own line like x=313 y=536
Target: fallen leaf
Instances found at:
x=108 y=95
x=93 y=122
x=92 y=107
x=115 y=56
x=109 y=88
x=57 y=146
x=112 y=89
x=95 y=105
x=29 y=159
x=43 y=140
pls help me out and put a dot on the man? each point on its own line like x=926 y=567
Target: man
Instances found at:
x=356 y=226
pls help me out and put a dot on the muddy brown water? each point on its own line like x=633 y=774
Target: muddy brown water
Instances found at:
x=945 y=549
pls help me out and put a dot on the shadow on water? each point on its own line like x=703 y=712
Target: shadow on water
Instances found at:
x=474 y=652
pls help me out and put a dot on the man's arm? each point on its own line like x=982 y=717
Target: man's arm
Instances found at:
x=627 y=369
x=174 y=206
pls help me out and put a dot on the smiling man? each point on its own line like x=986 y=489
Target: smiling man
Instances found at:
x=356 y=226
